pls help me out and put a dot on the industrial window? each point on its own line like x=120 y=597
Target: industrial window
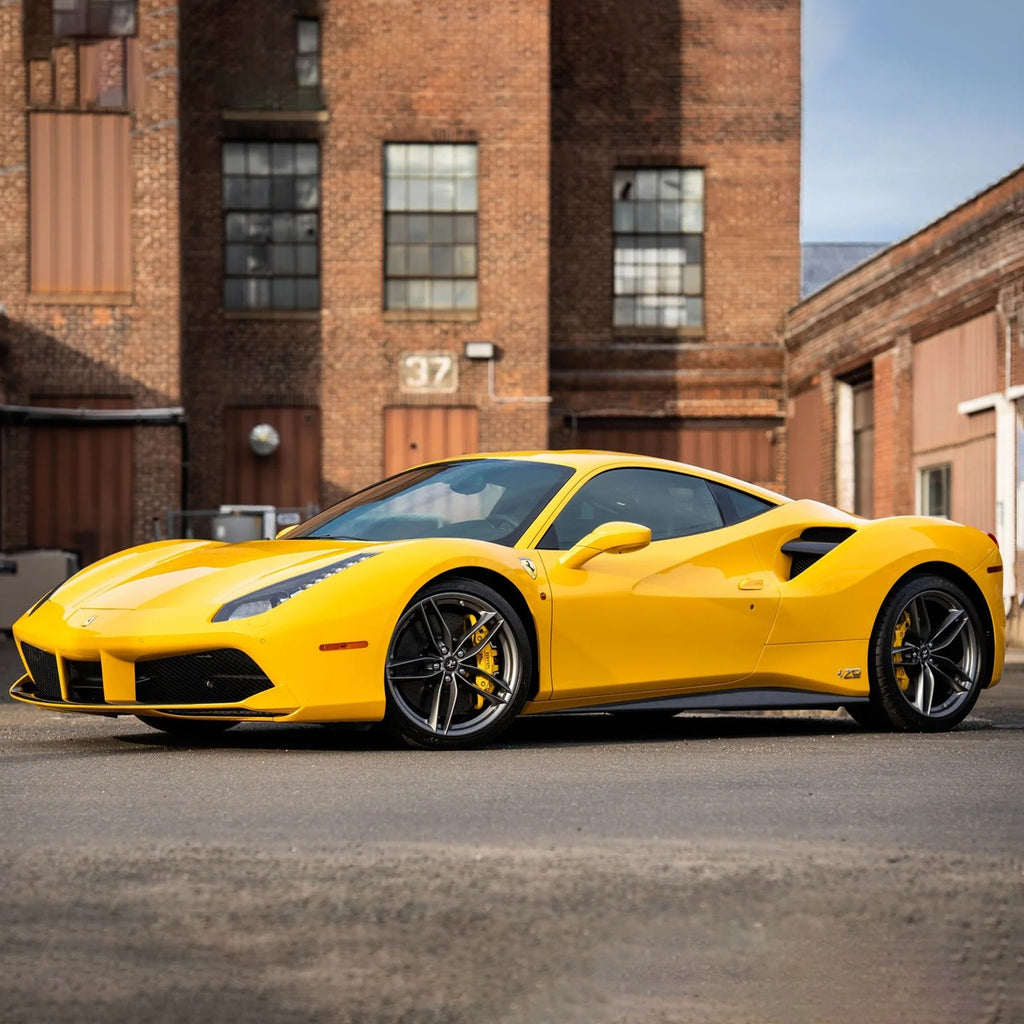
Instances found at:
x=93 y=18
x=80 y=189
x=430 y=228
x=659 y=248
x=307 y=53
x=934 y=484
x=271 y=225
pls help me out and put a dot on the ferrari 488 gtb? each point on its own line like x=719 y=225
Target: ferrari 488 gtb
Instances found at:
x=449 y=599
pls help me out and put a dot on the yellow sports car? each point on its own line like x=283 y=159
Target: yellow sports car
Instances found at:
x=449 y=599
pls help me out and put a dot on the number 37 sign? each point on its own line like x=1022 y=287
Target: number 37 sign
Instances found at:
x=429 y=372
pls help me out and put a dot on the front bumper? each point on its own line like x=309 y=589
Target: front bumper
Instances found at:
x=114 y=662
x=221 y=683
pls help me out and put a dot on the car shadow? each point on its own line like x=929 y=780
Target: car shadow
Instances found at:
x=534 y=732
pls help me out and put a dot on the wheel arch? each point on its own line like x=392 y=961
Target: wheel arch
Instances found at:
x=955 y=575
x=514 y=596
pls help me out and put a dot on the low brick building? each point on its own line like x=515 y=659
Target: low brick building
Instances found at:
x=906 y=377
x=381 y=234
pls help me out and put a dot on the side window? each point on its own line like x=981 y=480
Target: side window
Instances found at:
x=671 y=504
x=738 y=505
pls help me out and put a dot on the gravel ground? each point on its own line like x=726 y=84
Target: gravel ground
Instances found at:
x=622 y=933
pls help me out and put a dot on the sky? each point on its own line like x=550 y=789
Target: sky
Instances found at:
x=910 y=107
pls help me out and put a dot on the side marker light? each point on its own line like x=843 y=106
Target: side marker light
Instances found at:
x=345 y=645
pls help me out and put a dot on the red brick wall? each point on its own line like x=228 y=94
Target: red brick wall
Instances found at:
x=709 y=84
x=405 y=72
x=57 y=348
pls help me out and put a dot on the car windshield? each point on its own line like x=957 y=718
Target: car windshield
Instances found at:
x=481 y=499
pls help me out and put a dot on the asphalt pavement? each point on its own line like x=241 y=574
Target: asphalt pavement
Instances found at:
x=708 y=869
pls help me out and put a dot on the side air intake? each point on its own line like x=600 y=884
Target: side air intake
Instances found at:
x=812 y=544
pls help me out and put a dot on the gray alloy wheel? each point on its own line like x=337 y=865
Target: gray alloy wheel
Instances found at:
x=458 y=667
x=929 y=655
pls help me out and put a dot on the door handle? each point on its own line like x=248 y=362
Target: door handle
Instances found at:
x=752 y=583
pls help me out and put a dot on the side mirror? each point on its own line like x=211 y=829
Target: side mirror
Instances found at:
x=284 y=533
x=609 y=538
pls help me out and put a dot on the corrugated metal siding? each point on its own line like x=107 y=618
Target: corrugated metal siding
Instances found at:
x=82 y=484
x=972 y=478
x=951 y=367
x=657 y=440
x=745 y=452
x=804 y=436
x=80 y=203
x=415 y=434
x=288 y=478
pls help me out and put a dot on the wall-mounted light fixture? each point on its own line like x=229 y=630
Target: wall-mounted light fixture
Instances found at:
x=264 y=439
x=479 y=350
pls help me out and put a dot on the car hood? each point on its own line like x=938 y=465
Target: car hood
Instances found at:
x=203 y=574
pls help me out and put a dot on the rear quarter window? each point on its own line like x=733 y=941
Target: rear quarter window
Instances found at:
x=736 y=506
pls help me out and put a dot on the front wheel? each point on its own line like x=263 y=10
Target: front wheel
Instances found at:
x=929 y=653
x=458 y=667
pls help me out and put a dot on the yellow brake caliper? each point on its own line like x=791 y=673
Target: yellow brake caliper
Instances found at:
x=486 y=660
x=897 y=641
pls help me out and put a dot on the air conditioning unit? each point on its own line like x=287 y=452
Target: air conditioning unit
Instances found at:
x=234 y=523
x=27 y=576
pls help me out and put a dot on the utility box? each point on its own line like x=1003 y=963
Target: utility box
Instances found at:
x=27 y=576
x=234 y=523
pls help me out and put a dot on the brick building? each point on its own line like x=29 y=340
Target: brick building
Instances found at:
x=906 y=377
x=382 y=233
x=637 y=364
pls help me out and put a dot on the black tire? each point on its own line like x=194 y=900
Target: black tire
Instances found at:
x=458 y=667
x=930 y=655
x=197 y=728
x=870 y=716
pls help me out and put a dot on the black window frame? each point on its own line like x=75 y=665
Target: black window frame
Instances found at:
x=431 y=227
x=924 y=475
x=307 y=58
x=658 y=226
x=271 y=209
x=95 y=19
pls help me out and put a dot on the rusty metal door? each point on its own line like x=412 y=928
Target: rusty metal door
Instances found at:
x=415 y=434
x=289 y=476
x=743 y=450
x=82 y=483
x=805 y=446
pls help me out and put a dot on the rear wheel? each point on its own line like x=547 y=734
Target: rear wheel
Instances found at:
x=199 y=728
x=458 y=667
x=929 y=655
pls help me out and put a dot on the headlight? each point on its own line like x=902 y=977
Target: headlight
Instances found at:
x=46 y=597
x=260 y=601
